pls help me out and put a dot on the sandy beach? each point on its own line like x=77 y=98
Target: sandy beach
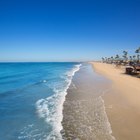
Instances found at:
x=122 y=102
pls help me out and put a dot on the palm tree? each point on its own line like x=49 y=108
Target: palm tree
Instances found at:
x=103 y=59
x=137 y=52
x=134 y=57
x=125 y=53
x=138 y=57
x=130 y=57
x=117 y=57
x=112 y=59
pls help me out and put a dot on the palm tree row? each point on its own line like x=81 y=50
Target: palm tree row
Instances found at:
x=124 y=58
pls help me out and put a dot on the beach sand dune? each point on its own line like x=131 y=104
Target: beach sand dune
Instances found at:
x=122 y=102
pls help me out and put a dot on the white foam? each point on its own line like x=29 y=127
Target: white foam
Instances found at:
x=51 y=108
x=108 y=125
x=104 y=108
x=44 y=81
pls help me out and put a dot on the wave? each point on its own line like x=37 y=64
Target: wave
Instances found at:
x=51 y=108
x=20 y=89
x=107 y=123
x=40 y=82
x=13 y=76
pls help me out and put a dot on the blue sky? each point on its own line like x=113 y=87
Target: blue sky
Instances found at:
x=68 y=30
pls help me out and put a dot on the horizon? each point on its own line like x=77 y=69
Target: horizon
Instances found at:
x=46 y=61
x=67 y=31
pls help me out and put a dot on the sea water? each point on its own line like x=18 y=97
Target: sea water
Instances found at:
x=33 y=104
x=31 y=99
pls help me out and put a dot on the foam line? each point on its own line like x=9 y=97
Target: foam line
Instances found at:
x=51 y=108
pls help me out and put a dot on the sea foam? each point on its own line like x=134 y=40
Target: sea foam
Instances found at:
x=51 y=108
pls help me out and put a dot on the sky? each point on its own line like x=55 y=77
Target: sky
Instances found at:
x=67 y=30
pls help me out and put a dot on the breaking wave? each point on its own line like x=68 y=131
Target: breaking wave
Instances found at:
x=51 y=108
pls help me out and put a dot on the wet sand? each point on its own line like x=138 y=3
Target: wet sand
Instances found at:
x=84 y=116
x=122 y=102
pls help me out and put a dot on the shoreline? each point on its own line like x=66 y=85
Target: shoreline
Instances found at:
x=122 y=102
x=84 y=115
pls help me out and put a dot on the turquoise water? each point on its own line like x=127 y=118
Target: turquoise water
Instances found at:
x=31 y=99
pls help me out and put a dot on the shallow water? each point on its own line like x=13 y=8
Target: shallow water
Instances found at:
x=84 y=111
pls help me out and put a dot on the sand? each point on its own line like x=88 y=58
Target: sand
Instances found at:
x=122 y=102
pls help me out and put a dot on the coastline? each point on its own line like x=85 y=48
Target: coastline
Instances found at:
x=122 y=102
x=84 y=115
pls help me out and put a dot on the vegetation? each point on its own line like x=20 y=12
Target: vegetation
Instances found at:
x=123 y=59
x=132 y=62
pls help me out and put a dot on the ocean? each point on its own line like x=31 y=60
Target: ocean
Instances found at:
x=33 y=100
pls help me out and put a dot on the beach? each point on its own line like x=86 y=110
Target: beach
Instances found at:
x=70 y=101
x=84 y=115
x=122 y=102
